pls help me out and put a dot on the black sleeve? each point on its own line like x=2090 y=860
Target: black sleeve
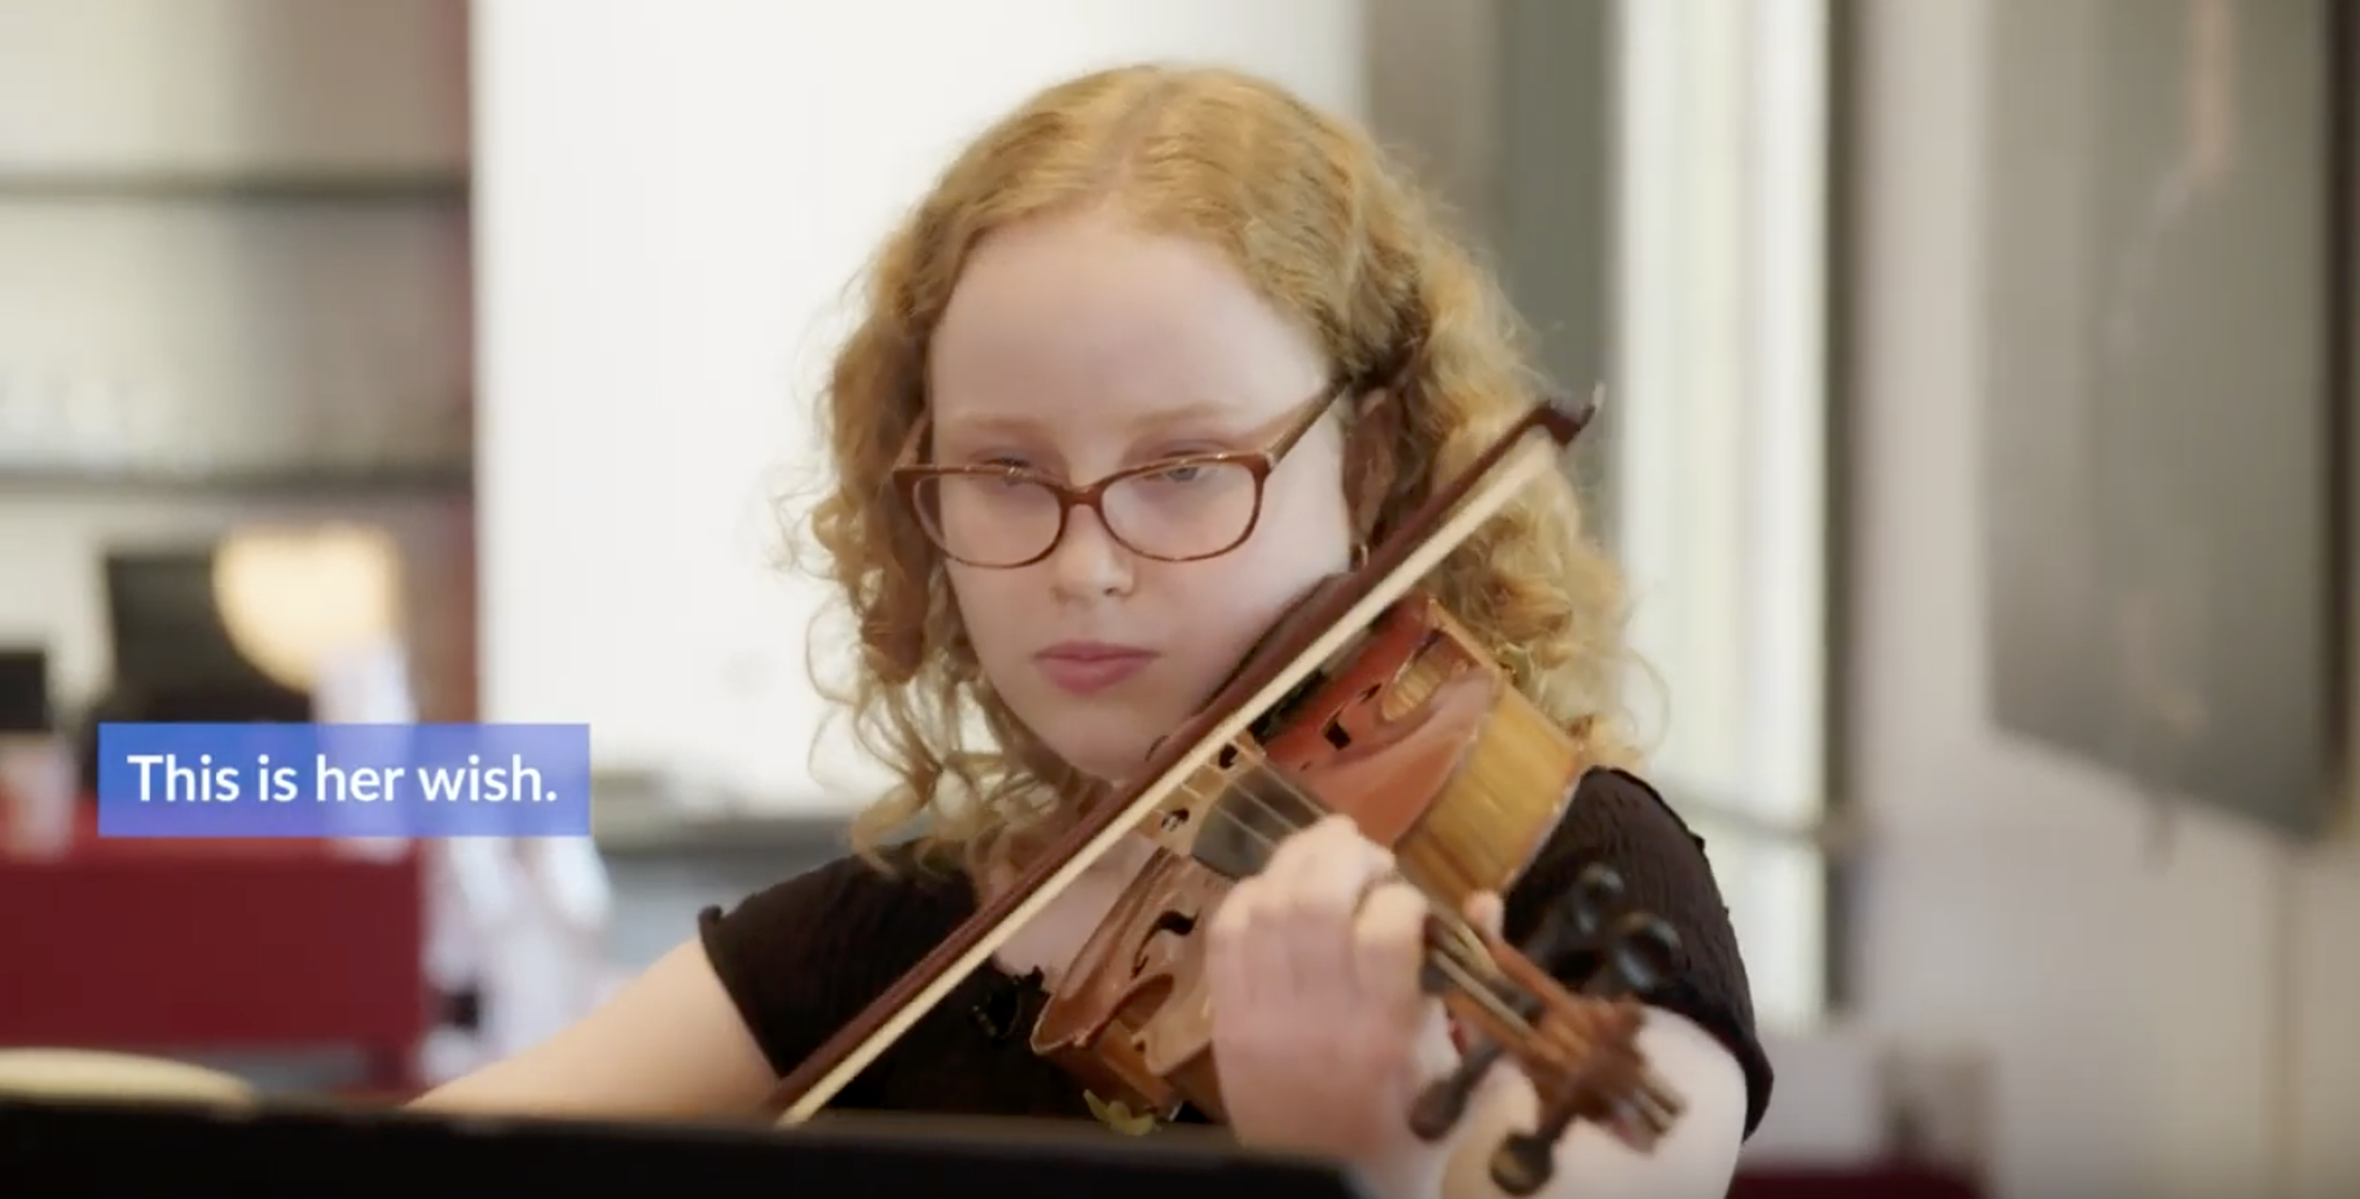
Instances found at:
x=782 y=954
x=1619 y=821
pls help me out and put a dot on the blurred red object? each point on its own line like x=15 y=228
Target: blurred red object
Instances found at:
x=215 y=947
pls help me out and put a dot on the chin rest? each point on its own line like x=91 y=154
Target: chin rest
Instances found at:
x=114 y=1146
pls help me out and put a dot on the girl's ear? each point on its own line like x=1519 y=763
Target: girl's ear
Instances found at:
x=1369 y=465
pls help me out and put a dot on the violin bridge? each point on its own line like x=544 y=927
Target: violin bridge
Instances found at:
x=1195 y=819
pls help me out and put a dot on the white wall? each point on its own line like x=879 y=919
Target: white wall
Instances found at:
x=201 y=325
x=1720 y=460
x=673 y=198
x=2166 y=1021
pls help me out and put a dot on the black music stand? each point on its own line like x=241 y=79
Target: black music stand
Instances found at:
x=56 y=1147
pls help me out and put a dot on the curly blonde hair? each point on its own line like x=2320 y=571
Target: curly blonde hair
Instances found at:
x=1318 y=221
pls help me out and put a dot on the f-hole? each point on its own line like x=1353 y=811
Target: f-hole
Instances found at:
x=1179 y=925
x=1335 y=732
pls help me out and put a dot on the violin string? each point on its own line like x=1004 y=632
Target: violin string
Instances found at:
x=1461 y=953
x=1456 y=923
x=1474 y=988
x=1461 y=956
x=1457 y=926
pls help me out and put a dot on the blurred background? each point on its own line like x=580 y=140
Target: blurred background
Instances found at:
x=1980 y=439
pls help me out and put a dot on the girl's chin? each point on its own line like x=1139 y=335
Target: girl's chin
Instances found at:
x=1107 y=761
x=1107 y=743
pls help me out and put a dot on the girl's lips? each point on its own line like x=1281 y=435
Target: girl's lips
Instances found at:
x=1084 y=668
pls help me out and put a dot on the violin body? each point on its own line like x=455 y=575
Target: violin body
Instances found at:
x=1414 y=733
x=1422 y=738
x=1132 y=1016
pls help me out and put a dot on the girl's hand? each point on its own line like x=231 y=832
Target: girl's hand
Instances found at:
x=1320 y=1033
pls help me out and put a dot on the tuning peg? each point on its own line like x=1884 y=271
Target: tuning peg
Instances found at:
x=1558 y=937
x=1638 y=957
x=1444 y=1101
x=1573 y=922
x=1524 y=1161
x=1576 y=922
x=1597 y=894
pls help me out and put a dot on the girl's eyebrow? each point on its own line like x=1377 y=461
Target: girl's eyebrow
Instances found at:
x=1192 y=413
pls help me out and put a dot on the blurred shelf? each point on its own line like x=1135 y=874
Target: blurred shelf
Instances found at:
x=644 y=815
x=688 y=837
x=274 y=187
x=388 y=482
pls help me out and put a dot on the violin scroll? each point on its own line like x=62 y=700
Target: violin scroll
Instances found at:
x=1580 y=1052
x=1635 y=948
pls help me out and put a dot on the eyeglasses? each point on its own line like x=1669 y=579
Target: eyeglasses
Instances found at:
x=1173 y=510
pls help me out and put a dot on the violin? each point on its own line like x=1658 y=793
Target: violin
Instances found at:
x=1369 y=701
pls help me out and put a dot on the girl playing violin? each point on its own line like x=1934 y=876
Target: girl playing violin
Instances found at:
x=1140 y=269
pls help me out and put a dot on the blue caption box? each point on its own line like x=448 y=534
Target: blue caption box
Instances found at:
x=344 y=780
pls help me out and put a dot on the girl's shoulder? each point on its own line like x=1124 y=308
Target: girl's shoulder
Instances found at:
x=1619 y=821
x=802 y=956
